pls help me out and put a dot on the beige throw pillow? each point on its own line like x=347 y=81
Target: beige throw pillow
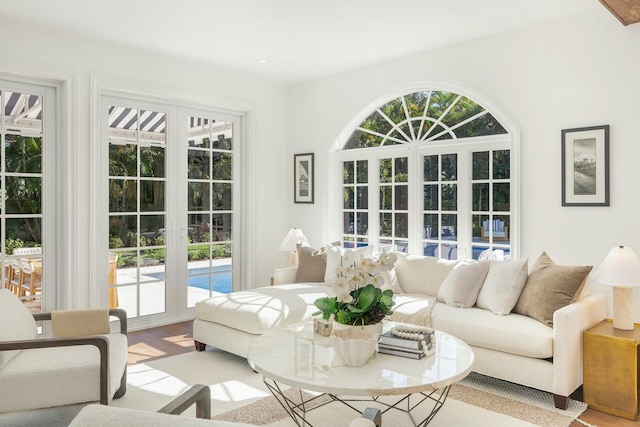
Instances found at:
x=312 y=264
x=549 y=288
x=503 y=285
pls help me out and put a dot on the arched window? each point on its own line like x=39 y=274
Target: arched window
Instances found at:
x=430 y=172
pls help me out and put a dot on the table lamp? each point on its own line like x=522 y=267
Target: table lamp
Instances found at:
x=620 y=269
x=290 y=242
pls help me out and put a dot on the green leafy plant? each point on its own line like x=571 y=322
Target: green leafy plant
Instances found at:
x=358 y=298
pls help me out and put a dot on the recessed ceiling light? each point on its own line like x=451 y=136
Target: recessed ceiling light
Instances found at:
x=262 y=61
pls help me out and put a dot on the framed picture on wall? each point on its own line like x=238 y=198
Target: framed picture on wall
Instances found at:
x=303 y=178
x=585 y=166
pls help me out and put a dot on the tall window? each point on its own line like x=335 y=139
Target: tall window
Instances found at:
x=444 y=178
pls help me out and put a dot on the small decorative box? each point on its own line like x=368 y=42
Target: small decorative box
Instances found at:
x=322 y=327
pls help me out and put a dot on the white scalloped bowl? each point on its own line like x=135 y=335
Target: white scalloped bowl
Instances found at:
x=354 y=351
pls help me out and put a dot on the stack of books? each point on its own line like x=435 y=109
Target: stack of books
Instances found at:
x=404 y=347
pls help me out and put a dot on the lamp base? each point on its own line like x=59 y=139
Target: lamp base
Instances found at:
x=293 y=259
x=622 y=312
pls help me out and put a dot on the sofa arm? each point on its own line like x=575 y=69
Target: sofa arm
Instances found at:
x=569 y=323
x=283 y=276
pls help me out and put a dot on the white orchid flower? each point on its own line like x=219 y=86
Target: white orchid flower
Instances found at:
x=348 y=258
x=340 y=285
x=377 y=280
x=349 y=272
x=344 y=297
x=387 y=260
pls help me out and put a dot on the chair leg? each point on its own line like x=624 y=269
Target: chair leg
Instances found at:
x=123 y=386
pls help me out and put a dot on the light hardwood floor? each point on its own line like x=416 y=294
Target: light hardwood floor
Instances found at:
x=177 y=338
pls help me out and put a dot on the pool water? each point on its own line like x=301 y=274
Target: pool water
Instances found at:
x=199 y=278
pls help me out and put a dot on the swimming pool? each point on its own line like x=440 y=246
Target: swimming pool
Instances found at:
x=199 y=278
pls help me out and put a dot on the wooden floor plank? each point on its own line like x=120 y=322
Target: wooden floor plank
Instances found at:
x=177 y=338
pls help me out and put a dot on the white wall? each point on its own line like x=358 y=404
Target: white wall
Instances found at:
x=33 y=49
x=566 y=74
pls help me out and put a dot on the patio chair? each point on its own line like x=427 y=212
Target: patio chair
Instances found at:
x=84 y=362
x=30 y=279
x=499 y=232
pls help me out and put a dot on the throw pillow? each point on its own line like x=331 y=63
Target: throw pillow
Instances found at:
x=503 y=285
x=16 y=323
x=334 y=258
x=312 y=264
x=462 y=285
x=422 y=274
x=549 y=288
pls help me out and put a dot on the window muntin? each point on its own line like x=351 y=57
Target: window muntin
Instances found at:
x=21 y=183
x=440 y=214
x=394 y=203
x=423 y=117
x=491 y=202
x=355 y=195
x=443 y=221
x=210 y=183
x=137 y=212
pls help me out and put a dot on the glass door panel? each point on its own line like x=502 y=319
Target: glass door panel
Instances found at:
x=137 y=212
x=210 y=188
x=21 y=184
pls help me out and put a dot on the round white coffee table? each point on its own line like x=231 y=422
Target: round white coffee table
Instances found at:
x=297 y=357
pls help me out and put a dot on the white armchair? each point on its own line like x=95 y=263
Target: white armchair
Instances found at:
x=200 y=395
x=39 y=373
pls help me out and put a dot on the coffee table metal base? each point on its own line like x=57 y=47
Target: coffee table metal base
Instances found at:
x=297 y=409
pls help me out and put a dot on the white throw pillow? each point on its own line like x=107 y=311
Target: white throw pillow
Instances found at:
x=462 y=285
x=422 y=274
x=503 y=285
x=334 y=259
x=16 y=323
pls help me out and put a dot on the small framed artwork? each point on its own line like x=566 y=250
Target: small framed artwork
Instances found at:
x=303 y=178
x=585 y=166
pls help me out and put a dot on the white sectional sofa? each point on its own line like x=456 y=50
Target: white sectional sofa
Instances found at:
x=474 y=301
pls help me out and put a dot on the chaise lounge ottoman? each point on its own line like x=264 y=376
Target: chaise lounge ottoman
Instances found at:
x=231 y=321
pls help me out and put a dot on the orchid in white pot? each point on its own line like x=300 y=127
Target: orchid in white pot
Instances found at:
x=358 y=298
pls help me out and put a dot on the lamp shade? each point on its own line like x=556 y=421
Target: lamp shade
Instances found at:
x=621 y=267
x=293 y=237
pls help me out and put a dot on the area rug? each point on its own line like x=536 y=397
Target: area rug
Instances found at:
x=238 y=394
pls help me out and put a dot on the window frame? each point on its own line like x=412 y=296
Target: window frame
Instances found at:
x=510 y=140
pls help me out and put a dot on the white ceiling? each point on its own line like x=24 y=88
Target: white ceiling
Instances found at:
x=301 y=39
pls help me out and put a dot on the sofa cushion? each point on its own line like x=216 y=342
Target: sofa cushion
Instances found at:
x=60 y=375
x=312 y=264
x=515 y=334
x=549 y=288
x=422 y=274
x=503 y=285
x=461 y=287
x=258 y=310
x=16 y=323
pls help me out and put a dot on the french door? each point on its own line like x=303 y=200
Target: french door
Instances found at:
x=28 y=185
x=172 y=191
